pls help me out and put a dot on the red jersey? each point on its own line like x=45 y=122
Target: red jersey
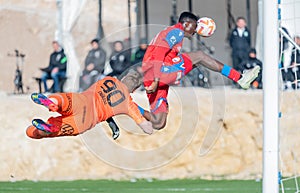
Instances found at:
x=163 y=57
x=163 y=60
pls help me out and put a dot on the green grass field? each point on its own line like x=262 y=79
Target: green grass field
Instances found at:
x=140 y=186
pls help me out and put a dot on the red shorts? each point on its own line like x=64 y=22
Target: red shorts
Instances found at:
x=171 y=73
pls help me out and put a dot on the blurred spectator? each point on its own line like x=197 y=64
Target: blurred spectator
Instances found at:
x=250 y=63
x=140 y=52
x=93 y=66
x=295 y=58
x=119 y=60
x=283 y=46
x=240 y=42
x=127 y=47
x=283 y=41
x=293 y=74
x=286 y=70
x=56 y=69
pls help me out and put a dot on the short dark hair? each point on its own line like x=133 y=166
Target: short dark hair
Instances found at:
x=252 y=50
x=184 y=15
x=240 y=17
x=95 y=40
x=55 y=42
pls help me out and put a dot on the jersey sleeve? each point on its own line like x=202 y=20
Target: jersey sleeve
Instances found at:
x=134 y=112
x=174 y=37
x=162 y=45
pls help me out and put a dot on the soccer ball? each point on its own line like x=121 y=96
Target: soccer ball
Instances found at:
x=206 y=26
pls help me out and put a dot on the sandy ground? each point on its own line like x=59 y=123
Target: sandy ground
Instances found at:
x=210 y=133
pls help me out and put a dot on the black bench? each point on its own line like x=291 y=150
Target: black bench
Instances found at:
x=61 y=84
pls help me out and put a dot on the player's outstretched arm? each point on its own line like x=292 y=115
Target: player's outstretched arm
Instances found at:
x=137 y=116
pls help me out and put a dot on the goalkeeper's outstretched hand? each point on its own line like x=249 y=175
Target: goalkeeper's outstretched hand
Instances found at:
x=146 y=127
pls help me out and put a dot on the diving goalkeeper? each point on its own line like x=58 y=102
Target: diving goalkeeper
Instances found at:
x=82 y=111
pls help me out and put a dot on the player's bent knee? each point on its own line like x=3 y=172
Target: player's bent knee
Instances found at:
x=159 y=120
x=159 y=125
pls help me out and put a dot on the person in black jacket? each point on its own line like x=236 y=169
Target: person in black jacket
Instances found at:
x=119 y=60
x=93 y=65
x=140 y=52
x=56 y=69
x=293 y=70
x=240 y=42
x=295 y=57
x=250 y=63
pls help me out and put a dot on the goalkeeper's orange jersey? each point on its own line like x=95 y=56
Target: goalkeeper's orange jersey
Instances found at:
x=82 y=111
x=111 y=97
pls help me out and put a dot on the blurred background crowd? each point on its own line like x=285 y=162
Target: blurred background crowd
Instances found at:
x=91 y=41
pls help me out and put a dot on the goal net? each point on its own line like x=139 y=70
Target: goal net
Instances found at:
x=289 y=103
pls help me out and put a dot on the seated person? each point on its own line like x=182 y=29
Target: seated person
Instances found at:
x=140 y=52
x=250 y=63
x=93 y=66
x=56 y=69
x=119 y=60
x=292 y=73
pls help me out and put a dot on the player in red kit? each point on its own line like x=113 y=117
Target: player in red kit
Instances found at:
x=165 y=65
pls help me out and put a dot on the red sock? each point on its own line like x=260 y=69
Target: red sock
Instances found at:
x=234 y=75
x=231 y=73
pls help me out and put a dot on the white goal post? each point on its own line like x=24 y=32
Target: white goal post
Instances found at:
x=270 y=97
